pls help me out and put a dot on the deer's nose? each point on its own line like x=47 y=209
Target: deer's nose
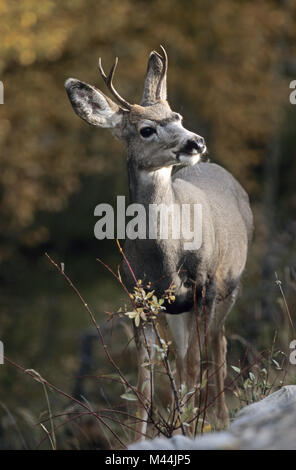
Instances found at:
x=197 y=145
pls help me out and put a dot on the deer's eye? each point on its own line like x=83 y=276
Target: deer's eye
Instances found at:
x=147 y=131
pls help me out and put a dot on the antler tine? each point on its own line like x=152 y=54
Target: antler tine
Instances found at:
x=164 y=59
x=108 y=79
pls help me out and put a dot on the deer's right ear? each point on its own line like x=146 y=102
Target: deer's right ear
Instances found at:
x=93 y=106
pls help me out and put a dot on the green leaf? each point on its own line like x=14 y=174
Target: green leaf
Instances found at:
x=149 y=294
x=128 y=396
x=146 y=364
x=276 y=364
x=204 y=380
x=252 y=376
x=236 y=369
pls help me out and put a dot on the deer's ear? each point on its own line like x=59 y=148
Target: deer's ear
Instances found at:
x=93 y=106
x=155 y=74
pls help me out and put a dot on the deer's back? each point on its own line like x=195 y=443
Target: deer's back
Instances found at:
x=219 y=191
x=226 y=219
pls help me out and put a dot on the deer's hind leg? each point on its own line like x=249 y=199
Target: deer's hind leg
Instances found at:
x=219 y=350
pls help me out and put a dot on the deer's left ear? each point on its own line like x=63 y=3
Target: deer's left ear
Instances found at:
x=93 y=106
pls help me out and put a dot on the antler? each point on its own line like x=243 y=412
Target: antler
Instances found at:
x=108 y=80
x=163 y=73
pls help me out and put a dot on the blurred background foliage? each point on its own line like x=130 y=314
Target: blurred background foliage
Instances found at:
x=230 y=67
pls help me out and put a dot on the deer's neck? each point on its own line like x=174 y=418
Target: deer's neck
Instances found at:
x=158 y=260
x=153 y=187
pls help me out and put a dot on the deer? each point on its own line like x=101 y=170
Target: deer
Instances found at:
x=166 y=165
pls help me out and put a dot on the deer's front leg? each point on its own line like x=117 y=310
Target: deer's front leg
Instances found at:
x=185 y=346
x=145 y=340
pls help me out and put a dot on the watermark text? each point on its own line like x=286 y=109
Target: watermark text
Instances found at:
x=154 y=221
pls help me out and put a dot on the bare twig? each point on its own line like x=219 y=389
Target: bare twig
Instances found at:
x=106 y=350
x=51 y=436
x=279 y=284
x=61 y=392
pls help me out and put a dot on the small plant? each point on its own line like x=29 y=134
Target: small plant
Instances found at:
x=260 y=380
x=146 y=305
x=146 y=308
x=189 y=406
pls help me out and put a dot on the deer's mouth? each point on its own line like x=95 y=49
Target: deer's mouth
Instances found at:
x=188 y=159
x=191 y=153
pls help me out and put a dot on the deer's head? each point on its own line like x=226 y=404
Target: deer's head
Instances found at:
x=154 y=133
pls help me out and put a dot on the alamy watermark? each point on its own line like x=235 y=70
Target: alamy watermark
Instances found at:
x=293 y=352
x=1 y=353
x=1 y=93
x=293 y=93
x=160 y=221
